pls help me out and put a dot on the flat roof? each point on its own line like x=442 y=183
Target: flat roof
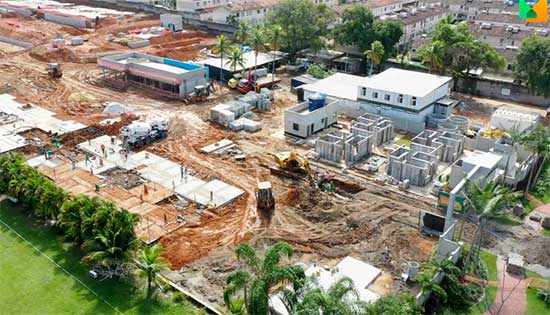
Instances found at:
x=161 y=66
x=406 y=82
x=339 y=85
x=486 y=160
x=248 y=61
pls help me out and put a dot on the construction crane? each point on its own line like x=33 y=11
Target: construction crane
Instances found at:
x=54 y=71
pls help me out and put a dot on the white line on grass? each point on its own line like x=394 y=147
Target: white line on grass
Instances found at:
x=60 y=267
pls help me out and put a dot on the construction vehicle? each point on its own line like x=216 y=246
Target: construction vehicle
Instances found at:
x=292 y=164
x=54 y=71
x=264 y=196
x=255 y=83
x=200 y=93
x=138 y=134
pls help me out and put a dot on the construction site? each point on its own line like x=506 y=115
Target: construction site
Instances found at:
x=122 y=108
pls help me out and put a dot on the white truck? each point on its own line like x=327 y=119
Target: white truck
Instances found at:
x=138 y=134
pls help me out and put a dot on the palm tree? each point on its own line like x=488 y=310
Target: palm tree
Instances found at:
x=258 y=43
x=235 y=58
x=150 y=264
x=77 y=217
x=428 y=284
x=253 y=283
x=432 y=55
x=221 y=47
x=243 y=32
x=275 y=39
x=374 y=54
x=536 y=141
x=114 y=242
x=341 y=298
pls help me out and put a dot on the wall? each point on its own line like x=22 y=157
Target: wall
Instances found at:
x=296 y=115
x=494 y=89
x=66 y=20
x=15 y=42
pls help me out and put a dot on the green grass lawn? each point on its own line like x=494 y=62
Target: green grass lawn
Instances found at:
x=405 y=141
x=490 y=261
x=508 y=220
x=546 y=232
x=535 y=306
x=32 y=284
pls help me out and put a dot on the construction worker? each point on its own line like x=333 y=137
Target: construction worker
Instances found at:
x=102 y=149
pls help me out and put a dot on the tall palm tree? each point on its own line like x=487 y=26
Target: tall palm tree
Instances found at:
x=432 y=55
x=275 y=39
x=258 y=43
x=150 y=264
x=537 y=141
x=243 y=32
x=222 y=47
x=375 y=54
x=235 y=58
x=254 y=281
x=341 y=298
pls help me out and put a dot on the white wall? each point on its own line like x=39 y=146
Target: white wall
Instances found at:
x=304 y=120
x=407 y=100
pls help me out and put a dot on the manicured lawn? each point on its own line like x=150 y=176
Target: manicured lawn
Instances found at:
x=405 y=141
x=546 y=232
x=535 y=305
x=32 y=284
x=490 y=261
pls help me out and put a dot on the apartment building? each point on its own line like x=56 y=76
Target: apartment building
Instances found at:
x=418 y=21
x=252 y=11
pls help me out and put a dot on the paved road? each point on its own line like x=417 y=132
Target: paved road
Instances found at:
x=511 y=290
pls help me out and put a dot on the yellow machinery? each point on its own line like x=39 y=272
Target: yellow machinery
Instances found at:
x=293 y=162
x=232 y=83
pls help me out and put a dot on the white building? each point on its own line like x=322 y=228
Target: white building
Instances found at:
x=418 y=21
x=191 y=5
x=254 y=12
x=408 y=98
x=173 y=22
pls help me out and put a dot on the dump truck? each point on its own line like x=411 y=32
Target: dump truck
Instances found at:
x=138 y=134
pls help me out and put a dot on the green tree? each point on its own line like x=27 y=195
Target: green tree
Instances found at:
x=359 y=28
x=258 y=42
x=235 y=58
x=429 y=285
x=114 y=242
x=537 y=141
x=340 y=299
x=76 y=217
x=243 y=33
x=222 y=47
x=275 y=35
x=461 y=52
x=319 y=71
x=303 y=22
x=374 y=54
x=150 y=264
x=404 y=304
x=433 y=56
x=253 y=282
x=532 y=65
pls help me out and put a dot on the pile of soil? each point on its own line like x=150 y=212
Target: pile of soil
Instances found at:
x=537 y=251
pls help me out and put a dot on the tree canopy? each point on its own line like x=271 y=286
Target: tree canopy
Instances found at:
x=303 y=21
x=454 y=49
x=532 y=65
x=359 y=29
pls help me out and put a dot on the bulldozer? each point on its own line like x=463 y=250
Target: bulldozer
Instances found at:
x=54 y=71
x=292 y=164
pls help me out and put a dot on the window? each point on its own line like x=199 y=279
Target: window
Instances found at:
x=296 y=127
x=375 y=94
x=364 y=91
x=400 y=98
x=413 y=101
x=387 y=97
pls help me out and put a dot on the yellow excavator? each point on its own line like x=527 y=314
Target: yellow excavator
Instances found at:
x=293 y=163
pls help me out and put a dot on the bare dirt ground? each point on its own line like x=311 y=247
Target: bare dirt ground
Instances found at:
x=362 y=219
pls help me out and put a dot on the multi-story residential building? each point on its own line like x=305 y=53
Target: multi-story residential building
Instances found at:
x=378 y=7
x=191 y=5
x=252 y=11
x=418 y=21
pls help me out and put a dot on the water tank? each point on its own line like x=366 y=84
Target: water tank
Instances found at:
x=316 y=101
x=462 y=122
x=412 y=269
x=448 y=126
x=435 y=119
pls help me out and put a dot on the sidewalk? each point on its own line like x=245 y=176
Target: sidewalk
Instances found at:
x=513 y=290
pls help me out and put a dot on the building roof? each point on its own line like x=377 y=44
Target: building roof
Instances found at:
x=485 y=160
x=407 y=82
x=415 y=15
x=339 y=85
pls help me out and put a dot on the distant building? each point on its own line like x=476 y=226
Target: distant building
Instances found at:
x=254 y=12
x=173 y=22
